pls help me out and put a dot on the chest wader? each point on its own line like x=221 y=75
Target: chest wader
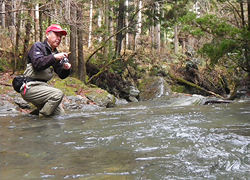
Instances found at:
x=46 y=99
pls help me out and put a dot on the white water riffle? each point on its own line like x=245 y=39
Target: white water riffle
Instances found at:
x=163 y=139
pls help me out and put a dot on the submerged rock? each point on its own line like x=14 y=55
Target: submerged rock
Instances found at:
x=189 y=100
x=184 y=100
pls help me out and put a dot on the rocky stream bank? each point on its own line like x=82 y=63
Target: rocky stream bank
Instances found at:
x=78 y=96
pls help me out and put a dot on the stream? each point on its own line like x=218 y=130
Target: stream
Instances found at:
x=135 y=141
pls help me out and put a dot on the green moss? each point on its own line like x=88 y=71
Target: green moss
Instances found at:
x=144 y=84
x=69 y=86
x=178 y=88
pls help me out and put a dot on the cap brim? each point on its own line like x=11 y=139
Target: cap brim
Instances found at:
x=62 y=31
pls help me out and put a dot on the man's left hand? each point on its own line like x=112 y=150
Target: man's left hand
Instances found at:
x=66 y=66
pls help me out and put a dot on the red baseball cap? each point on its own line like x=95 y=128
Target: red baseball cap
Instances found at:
x=56 y=28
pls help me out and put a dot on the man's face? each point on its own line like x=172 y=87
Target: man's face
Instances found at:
x=54 y=39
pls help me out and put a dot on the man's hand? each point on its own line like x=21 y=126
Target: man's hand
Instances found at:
x=66 y=66
x=60 y=56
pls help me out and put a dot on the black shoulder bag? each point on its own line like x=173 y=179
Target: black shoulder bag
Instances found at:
x=18 y=82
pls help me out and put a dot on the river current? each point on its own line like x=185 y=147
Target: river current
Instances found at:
x=138 y=141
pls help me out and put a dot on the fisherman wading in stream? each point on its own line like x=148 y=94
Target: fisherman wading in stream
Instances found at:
x=43 y=61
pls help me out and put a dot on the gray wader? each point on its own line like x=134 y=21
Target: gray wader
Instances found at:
x=47 y=99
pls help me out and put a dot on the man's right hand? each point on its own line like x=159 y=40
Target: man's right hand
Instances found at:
x=60 y=56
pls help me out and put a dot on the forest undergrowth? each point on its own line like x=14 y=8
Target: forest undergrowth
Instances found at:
x=145 y=62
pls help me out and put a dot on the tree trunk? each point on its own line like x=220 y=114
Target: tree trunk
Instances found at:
x=90 y=23
x=157 y=28
x=49 y=16
x=176 y=41
x=36 y=13
x=152 y=35
x=14 y=12
x=126 y=24
x=3 y=15
x=242 y=13
x=16 y=56
x=41 y=38
x=73 y=32
x=247 y=49
x=67 y=10
x=26 y=39
x=99 y=22
x=138 y=30
x=248 y=14
x=119 y=36
x=67 y=19
x=111 y=25
x=81 y=63
x=106 y=12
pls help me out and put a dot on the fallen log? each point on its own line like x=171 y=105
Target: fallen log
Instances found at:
x=219 y=101
x=5 y=84
x=194 y=85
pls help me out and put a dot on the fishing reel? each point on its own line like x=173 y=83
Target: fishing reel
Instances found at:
x=64 y=60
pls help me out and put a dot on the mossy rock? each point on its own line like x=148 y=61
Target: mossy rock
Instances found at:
x=69 y=86
x=153 y=87
x=178 y=88
x=100 y=97
x=72 y=87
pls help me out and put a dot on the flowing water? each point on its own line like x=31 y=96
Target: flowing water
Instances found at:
x=147 y=140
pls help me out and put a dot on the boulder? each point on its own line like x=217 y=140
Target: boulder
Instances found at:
x=22 y=103
x=133 y=94
x=101 y=97
x=152 y=88
x=75 y=102
x=7 y=105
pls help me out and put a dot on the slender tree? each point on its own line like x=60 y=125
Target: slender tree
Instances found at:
x=3 y=15
x=73 y=34
x=81 y=63
x=41 y=38
x=26 y=38
x=126 y=23
x=139 y=24
x=119 y=36
x=157 y=26
x=16 y=54
x=176 y=39
x=36 y=18
x=90 y=23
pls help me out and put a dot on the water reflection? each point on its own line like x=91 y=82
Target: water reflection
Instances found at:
x=150 y=140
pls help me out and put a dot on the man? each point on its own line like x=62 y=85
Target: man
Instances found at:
x=43 y=61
